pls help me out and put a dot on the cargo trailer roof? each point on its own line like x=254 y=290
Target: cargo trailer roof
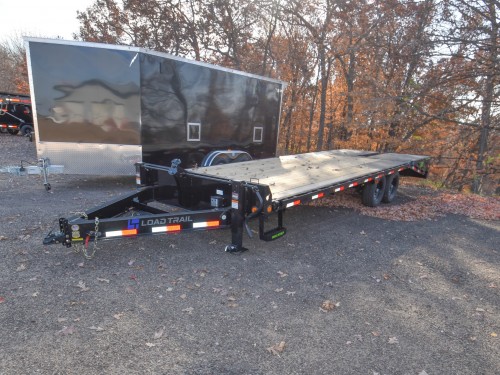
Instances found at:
x=149 y=52
x=292 y=175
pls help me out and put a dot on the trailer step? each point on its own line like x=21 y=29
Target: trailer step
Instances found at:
x=273 y=234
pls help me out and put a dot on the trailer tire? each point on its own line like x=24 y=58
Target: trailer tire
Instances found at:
x=27 y=129
x=391 y=188
x=373 y=192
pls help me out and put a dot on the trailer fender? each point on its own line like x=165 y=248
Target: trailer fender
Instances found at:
x=225 y=157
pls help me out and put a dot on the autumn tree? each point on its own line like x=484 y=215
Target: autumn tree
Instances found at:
x=13 y=70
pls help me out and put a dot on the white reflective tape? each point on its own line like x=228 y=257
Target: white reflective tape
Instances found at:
x=114 y=233
x=291 y=204
x=158 y=229
x=337 y=189
x=315 y=196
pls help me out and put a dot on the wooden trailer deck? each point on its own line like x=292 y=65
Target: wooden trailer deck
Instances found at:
x=292 y=175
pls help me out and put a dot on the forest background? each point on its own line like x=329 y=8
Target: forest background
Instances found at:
x=418 y=77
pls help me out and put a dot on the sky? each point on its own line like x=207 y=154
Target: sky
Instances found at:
x=40 y=18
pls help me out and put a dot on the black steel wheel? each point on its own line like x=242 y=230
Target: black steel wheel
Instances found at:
x=374 y=192
x=391 y=188
x=27 y=129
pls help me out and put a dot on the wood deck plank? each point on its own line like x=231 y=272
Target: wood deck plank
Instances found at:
x=291 y=175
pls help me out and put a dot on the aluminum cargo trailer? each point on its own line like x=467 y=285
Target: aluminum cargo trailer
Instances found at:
x=101 y=108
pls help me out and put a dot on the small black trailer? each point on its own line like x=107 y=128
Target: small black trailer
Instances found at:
x=15 y=113
x=173 y=199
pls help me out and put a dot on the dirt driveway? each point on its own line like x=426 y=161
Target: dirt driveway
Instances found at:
x=341 y=293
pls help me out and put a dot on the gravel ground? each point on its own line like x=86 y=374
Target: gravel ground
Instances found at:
x=341 y=293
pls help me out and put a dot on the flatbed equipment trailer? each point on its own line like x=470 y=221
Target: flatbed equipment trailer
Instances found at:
x=173 y=199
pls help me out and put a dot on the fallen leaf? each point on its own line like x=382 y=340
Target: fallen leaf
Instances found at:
x=82 y=286
x=393 y=340
x=278 y=290
x=423 y=372
x=328 y=305
x=97 y=329
x=133 y=277
x=289 y=293
x=492 y=285
x=103 y=280
x=212 y=242
x=277 y=348
x=189 y=310
x=183 y=296
x=66 y=331
x=3 y=238
x=60 y=320
x=150 y=344
x=2 y=299
x=386 y=276
x=131 y=262
x=362 y=232
x=81 y=265
x=35 y=294
x=158 y=334
x=376 y=333
x=493 y=334
x=118 y=316
x=21 y=267
x=282 y=274
x=231 y=298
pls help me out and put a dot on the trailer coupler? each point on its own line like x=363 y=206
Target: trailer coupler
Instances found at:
x=54 y=238
x=59 y=237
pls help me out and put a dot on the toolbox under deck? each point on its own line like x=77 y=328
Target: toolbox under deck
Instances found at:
x=291 y=175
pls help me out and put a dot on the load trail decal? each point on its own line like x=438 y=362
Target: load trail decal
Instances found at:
x=164 y=221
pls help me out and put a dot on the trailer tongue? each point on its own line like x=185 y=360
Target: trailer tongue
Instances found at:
x=230 y=195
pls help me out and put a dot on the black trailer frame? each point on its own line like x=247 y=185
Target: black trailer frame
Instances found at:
x=200 y=199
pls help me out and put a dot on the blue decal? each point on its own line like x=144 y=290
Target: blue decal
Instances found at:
x=133 y=224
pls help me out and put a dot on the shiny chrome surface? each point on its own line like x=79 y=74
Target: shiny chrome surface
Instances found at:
x=92 y=158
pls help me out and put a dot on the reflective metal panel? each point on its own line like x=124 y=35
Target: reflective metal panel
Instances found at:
x=228 y=107
x=92 y=158
x=85 y=94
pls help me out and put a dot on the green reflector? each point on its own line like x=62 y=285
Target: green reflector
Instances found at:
x=277 y=235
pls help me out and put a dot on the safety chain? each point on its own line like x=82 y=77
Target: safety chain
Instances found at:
x=83 y=249
x=94 y=246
